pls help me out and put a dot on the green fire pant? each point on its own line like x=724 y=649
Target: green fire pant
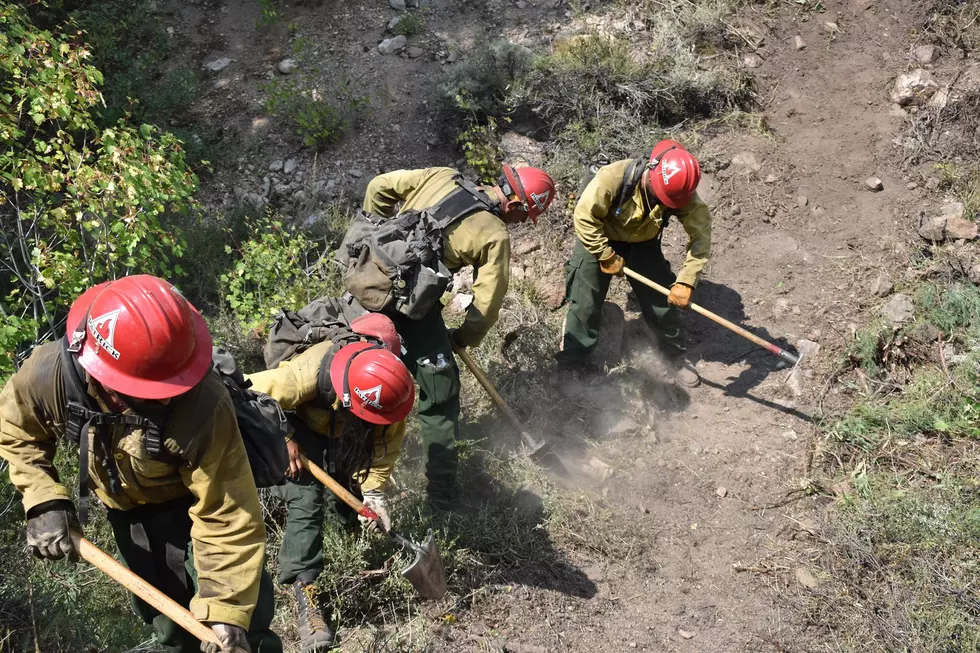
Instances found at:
x=586 y=286
x=431 y=361
x=155 y=543
x=308 y=502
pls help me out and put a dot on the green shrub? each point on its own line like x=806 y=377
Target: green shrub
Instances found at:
x=489 y=82
x=481 y=148
x=276 y=268
x=317 y=121
x=410 y=25
x=78 y=203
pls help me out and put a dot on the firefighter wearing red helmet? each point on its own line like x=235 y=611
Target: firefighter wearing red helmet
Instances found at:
x=350 y=400
x=479 y=239
x=161 y=449
x=620 y=220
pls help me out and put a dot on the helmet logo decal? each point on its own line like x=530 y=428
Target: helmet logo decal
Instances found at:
x=668 y=169
x=539 y=199
x=371 y=396
x=106 y=323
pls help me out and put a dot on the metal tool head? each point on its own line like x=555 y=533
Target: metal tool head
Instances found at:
x=426 y=573
x=542 y=452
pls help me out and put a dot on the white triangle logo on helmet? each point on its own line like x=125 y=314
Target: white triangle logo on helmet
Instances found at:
x=105 y=323
x=668 y=169
x=371 y=396
x=540 y=199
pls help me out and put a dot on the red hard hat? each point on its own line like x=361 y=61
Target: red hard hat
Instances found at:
x=674 y=174
x=372 y=382
x=381 y=327
x=140 y=337
x=533 y=186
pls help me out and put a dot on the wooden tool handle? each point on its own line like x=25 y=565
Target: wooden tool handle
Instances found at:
x=151 y=595
x=768 y=346
x=488 y=386
x=339 y=491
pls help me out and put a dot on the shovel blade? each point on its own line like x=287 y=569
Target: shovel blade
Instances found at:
x=426 y=573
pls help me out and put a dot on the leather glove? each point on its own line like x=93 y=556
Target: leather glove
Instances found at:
x=680 y=295
x=611 y=263
x=232 y=640
x=376 y=501
x=48 y=530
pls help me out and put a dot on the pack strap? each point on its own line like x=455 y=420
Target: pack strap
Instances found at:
x=459 y=203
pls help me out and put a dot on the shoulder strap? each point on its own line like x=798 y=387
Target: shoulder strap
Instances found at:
x=462 y=201
x=632 y=177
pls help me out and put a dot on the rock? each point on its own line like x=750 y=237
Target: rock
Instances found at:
x=807 y=350
x=276 y=165
x=975 y=273
x=414 y=53
x=685 y=634
x=463 y=280
x=612 y=327
x=806 y=578
x=874 y=184
x=517 y=273
x=933 y=229
x=899 y=309
x=746 y=161
x=520 y=4
x=355 y=173
x=802 y=201
x=266 y=187
x=882 y=286
x=461 y=302
x=217 y=65
x=831 y=27
x=290 y=166
x=310 y=221
x=392 y=45
x=798 y=42
x=932 y=183
x=960 y=229
x=924 y=54
x=914 y=88
x=525 y=247
x=912 y=185
x=397 y=5
x=752 y=60
x=286 y=66
x=925 y=332
x=771 y=179
x=953 y=210
x=722 y=492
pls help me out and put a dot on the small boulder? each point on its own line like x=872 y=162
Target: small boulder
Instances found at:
x=924 y=54
x=883 y=286
x=217 y=65
x=807 y=578
x=392 y=45
x=397 y=5
x=960 y=229
x=802 y=201
x=798 y=42
x=752 y=60
x=685 y=634
x=932 y=183
x=899 y=309
x=932 y=229
x=276 y=165
x=414 y=52
x=914 y=88
x=287 y=66
x=874 y=184
x=289 y=167
x=746 y=161
x=722 y=492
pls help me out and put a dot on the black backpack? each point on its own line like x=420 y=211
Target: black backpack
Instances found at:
x=395 y=264
x=327 y=318
x=260 y=419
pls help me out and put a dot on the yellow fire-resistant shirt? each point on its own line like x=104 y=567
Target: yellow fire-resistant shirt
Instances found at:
x=294 y=385
x=596 y=222
x=480 y=239
x=201 y=431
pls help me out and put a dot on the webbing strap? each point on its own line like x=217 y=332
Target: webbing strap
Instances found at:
x=462 y=201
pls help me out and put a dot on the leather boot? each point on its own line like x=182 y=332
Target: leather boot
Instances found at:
x=684 y=373
x=315 y=636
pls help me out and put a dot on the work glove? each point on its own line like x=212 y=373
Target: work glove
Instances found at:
x=680 y=295
x=232 y=640
x=49 y=530
x=376 y=501
x=611 y=263
x=454 y=338
x=295 y=460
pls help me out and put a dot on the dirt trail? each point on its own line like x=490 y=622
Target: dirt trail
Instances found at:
x=803 y=272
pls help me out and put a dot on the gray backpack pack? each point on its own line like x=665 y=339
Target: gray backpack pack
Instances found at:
x=395 y=264
x=326 y=318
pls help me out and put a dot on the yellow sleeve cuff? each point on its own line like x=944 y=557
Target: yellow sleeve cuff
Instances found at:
x=208 y=612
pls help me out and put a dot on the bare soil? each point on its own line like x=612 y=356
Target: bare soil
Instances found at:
x=697 y=480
